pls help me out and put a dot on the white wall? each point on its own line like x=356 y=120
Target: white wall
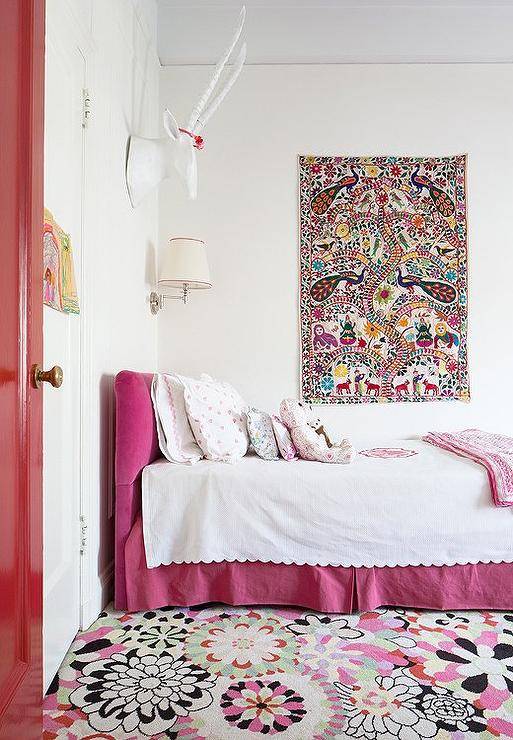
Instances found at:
x=340 y=31
x=119 y=244
x=246 y=328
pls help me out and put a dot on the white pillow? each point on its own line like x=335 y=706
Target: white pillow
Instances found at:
x=216 y=416
x=176 y=440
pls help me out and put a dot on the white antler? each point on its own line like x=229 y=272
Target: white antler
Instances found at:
x=237 y=66
x=195 y=124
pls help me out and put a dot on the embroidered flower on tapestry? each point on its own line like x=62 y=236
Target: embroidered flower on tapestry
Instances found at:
x=383 y=279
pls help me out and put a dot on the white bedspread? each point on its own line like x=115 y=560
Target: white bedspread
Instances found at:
x=433 y=508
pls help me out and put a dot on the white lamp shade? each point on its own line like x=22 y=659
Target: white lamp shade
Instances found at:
x=185 y=263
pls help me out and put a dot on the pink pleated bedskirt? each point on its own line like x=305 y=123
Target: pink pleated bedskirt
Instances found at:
x=321 y=588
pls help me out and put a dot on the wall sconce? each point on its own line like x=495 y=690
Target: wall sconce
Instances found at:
x=184 y=266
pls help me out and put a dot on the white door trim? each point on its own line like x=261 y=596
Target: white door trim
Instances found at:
x=92 y=595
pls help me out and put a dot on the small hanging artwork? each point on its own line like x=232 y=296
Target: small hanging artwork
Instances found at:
x=59 y=287
x=383 y=294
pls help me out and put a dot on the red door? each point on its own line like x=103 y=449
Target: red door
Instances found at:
x=21 y=214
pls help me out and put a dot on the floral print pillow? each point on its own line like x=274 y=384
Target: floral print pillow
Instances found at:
x=284 y=440
x=261 y=434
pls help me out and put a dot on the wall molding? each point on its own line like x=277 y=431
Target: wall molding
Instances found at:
x=68 y=17
x=100 y=596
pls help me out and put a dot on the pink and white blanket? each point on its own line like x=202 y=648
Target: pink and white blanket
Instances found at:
x=493 y=451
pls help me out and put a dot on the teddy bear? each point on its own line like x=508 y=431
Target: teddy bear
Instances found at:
x=312 y=443
x=319 y=427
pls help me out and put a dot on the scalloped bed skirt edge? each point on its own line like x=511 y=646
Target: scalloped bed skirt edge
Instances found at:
x=321 y=588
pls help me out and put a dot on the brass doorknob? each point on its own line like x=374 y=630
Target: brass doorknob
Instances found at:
x=53 y=376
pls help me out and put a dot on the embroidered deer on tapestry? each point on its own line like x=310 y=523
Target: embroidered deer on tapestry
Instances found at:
x=149 y=161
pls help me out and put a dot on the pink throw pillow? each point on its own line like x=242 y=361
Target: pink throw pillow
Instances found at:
x=284 y=440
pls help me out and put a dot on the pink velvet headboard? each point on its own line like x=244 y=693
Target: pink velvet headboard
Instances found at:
x=136 y=447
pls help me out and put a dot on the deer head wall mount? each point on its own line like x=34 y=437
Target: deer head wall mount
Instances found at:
x=149 y=161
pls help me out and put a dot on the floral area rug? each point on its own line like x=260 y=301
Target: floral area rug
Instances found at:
x=224 y=673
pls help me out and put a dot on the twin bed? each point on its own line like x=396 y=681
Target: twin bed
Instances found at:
x=417 y=531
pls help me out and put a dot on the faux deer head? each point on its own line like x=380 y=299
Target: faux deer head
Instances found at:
x=149 y=161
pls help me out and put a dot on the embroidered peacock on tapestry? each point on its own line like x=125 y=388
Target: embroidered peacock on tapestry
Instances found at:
x=383 y=297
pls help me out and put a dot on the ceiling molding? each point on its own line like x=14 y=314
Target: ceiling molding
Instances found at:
x=293 y=32
x=320 y=4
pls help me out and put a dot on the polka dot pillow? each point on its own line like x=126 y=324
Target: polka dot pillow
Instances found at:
x=216 y=416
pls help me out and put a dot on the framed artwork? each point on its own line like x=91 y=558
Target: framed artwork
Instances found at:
x=383 y=279
x=59 y=287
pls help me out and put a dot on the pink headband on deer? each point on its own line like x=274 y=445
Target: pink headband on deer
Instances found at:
x=199 y=142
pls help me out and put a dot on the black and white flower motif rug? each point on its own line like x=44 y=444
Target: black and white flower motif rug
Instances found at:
x=227 y=672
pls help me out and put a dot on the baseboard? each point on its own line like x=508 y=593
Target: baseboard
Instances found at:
x=101 y=596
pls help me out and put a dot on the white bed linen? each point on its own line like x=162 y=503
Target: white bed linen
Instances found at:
x=433 y=508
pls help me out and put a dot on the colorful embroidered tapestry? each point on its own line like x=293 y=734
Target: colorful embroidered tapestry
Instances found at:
x=59 y=288
x=383 y=279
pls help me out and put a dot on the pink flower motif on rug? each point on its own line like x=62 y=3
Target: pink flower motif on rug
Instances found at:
x=241 y=647
x=267 y=707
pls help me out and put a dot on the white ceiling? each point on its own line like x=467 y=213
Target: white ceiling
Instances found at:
x=339 y=31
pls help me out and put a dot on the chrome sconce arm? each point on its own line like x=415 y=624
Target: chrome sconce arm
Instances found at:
x=157 y=299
